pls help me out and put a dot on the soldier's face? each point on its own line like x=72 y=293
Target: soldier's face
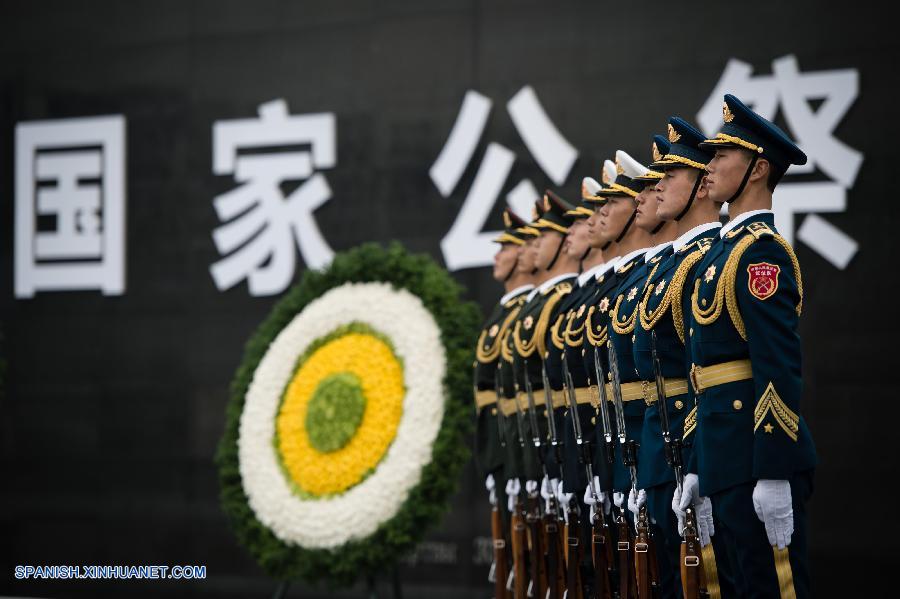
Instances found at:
x=647 y=217
x=725 y=172
x=593 y=229
x=613 y=216
x=673 y=190
x=527 y=255
x=505 y=261
x=549 y=243
x=578 y=239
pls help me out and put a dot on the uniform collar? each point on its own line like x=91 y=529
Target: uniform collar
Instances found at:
x=742 y=218
x=689 y=236
x=628 y=257
x=656 y=250
x=550 y=283
x=516 y=292
x=593 y=271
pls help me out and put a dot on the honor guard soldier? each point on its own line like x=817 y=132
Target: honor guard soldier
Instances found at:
x=494 y=383
x=555 y=274
x=643 y=250
x=682 y=201
x=754 y=453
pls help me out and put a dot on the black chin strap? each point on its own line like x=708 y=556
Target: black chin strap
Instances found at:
x=658 y=227
x=627 y=225
x=746 y=178
x=585 y=254
x=605 y=246
x=556 y=255
x=511 y=270
x=694 y=191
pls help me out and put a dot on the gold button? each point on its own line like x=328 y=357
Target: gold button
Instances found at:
x=691 y=332
x=738 y=404
x=679 y=404
x=703 y=301
x=493 y=411
x=593 y=420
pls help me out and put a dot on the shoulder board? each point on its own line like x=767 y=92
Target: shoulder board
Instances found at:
x=760 y=230
x=626 y=268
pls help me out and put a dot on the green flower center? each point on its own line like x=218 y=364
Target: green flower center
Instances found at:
x=335 y=411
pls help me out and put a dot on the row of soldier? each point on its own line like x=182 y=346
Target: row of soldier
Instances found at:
x=637 y=388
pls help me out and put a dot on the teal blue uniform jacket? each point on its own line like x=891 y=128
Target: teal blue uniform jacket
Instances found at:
x=490 y=439
x=662 y=310
x=746 y=304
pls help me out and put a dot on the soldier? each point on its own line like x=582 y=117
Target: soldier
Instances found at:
x=644 y=250
x=682 y=201
x=492 y=384
x=754 y=453
x=556 y=271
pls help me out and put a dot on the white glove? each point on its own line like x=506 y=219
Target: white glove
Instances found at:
x=548 y=492
x=618 y=499
x=690 y=495
x=706 y=528
x=491 y=486
x=772 y=502
x=602 y=497
x=531 y=487
x=513 y=486
x=636 y=501
x=563 y=499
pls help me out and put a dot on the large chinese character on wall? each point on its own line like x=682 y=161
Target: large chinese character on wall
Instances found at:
x=70 y=206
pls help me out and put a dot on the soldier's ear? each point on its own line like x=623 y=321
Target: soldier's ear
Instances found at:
x=761 y=170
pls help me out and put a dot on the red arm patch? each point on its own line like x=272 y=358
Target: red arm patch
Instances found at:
x=763 y=279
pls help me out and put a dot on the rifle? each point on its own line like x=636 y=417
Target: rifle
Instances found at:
x=598 y=525
x=606 y=429
x=627 y=566
x=538 y=586
x=517 y=578
x=556 y=581
x=499 y=572
x=693 y=576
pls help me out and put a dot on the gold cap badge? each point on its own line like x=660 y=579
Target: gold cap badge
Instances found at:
x=657 y=155
x=507 y=222
x=674 y=136
x=727 y=115
x=619 y=169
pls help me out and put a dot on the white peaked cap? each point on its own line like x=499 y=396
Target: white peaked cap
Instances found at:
x=631 y=168
x=609 y=172
x=589 y=186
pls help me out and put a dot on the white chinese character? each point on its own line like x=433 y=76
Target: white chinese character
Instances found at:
x=813 y=130
x=466 y=245
x=70 y=205
x=263 y=222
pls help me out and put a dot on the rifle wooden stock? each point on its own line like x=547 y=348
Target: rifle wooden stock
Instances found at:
x=536 y=551
x=646 y=566
x=501 y=565
x=693 y=576
x=519 y=548
x=601 y=555
x=574 y=587
x=626 y=563
x=554 y=556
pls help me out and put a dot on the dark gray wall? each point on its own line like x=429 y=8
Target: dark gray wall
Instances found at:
x=112 y=407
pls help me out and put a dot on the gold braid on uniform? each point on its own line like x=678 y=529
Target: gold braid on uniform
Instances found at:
x=786 y=418
x=555 y=337
x=627 y=325
x=690 y=422
x=676 y=288
x=526 y=348
x=726 y=294
x=575 y=337
x=599 y=338
x=506 y=347
x=486 y=356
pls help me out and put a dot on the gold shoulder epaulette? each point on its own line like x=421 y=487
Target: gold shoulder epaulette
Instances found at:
x=563 y=288
x=760 y=229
